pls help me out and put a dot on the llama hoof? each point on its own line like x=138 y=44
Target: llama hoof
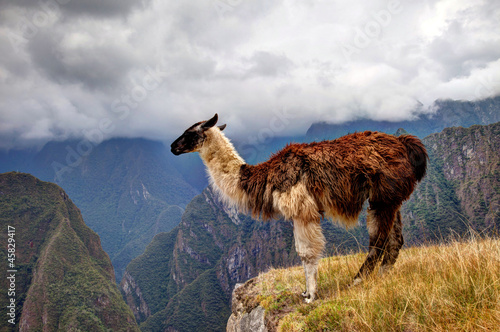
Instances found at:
x=308 y=298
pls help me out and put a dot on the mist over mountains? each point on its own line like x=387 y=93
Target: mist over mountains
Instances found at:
x=448 y=113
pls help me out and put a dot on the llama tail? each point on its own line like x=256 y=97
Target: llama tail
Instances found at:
x=416 y=153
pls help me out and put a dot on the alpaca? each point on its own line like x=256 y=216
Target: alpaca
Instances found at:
x=306 y=182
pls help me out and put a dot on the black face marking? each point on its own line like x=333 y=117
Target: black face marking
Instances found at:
x=193 y=137
x=189 y=141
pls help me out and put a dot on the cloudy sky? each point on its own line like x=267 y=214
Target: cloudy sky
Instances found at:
x=98 y=69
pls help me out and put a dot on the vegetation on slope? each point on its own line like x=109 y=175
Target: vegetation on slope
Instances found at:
x=64 y=280
x=200 y=306
x=449 y=287
x=461 y=188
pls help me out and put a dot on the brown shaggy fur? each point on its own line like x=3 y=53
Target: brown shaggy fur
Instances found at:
x=340 y=174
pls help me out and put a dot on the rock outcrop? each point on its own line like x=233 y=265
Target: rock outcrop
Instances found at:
x=246 y=314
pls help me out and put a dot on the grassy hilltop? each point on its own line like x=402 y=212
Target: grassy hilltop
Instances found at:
x=449 y=287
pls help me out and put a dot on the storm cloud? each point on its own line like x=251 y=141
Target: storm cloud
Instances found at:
x=87 y=68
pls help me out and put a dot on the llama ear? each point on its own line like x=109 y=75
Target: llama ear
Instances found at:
x=222 y=127
x=210 y=123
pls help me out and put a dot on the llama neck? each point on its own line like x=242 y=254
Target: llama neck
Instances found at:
x=223 y=163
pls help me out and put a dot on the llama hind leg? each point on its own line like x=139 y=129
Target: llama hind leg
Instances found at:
x=394 y=244
x=309 y=243
x=379 y=220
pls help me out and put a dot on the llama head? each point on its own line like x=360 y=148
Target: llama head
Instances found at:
x=192 y=139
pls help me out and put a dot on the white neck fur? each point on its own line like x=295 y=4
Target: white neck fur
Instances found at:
x=223 y=164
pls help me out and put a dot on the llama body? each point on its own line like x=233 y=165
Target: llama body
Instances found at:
x=305 y=182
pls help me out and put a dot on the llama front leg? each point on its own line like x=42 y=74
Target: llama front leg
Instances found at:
x=309 y=243
x=311 y=273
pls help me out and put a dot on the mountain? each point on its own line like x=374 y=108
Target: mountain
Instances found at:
x=128 y=189
x=462 y=186
x=58 y=275
x=185 y=274
x=449 y=113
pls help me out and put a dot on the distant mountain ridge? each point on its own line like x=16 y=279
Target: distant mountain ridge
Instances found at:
x=198 y=263
x=128 y=189
x=449 y=113
x=64 y=280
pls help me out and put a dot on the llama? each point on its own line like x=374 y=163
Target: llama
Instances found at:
x=307 y=182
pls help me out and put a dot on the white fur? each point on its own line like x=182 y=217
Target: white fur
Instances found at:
x=223 y=165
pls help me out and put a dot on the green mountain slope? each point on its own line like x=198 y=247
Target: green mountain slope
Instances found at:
x=462 y=187
x=63 y=280
x=200 y=306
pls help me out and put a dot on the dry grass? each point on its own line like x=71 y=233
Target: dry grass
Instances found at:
x=452 y=287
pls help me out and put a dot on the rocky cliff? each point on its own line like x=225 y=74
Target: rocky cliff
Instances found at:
x=471 y=162
x=462 y=186
x=60 y=278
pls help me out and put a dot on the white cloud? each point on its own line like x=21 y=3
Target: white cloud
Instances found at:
x=155 y=68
